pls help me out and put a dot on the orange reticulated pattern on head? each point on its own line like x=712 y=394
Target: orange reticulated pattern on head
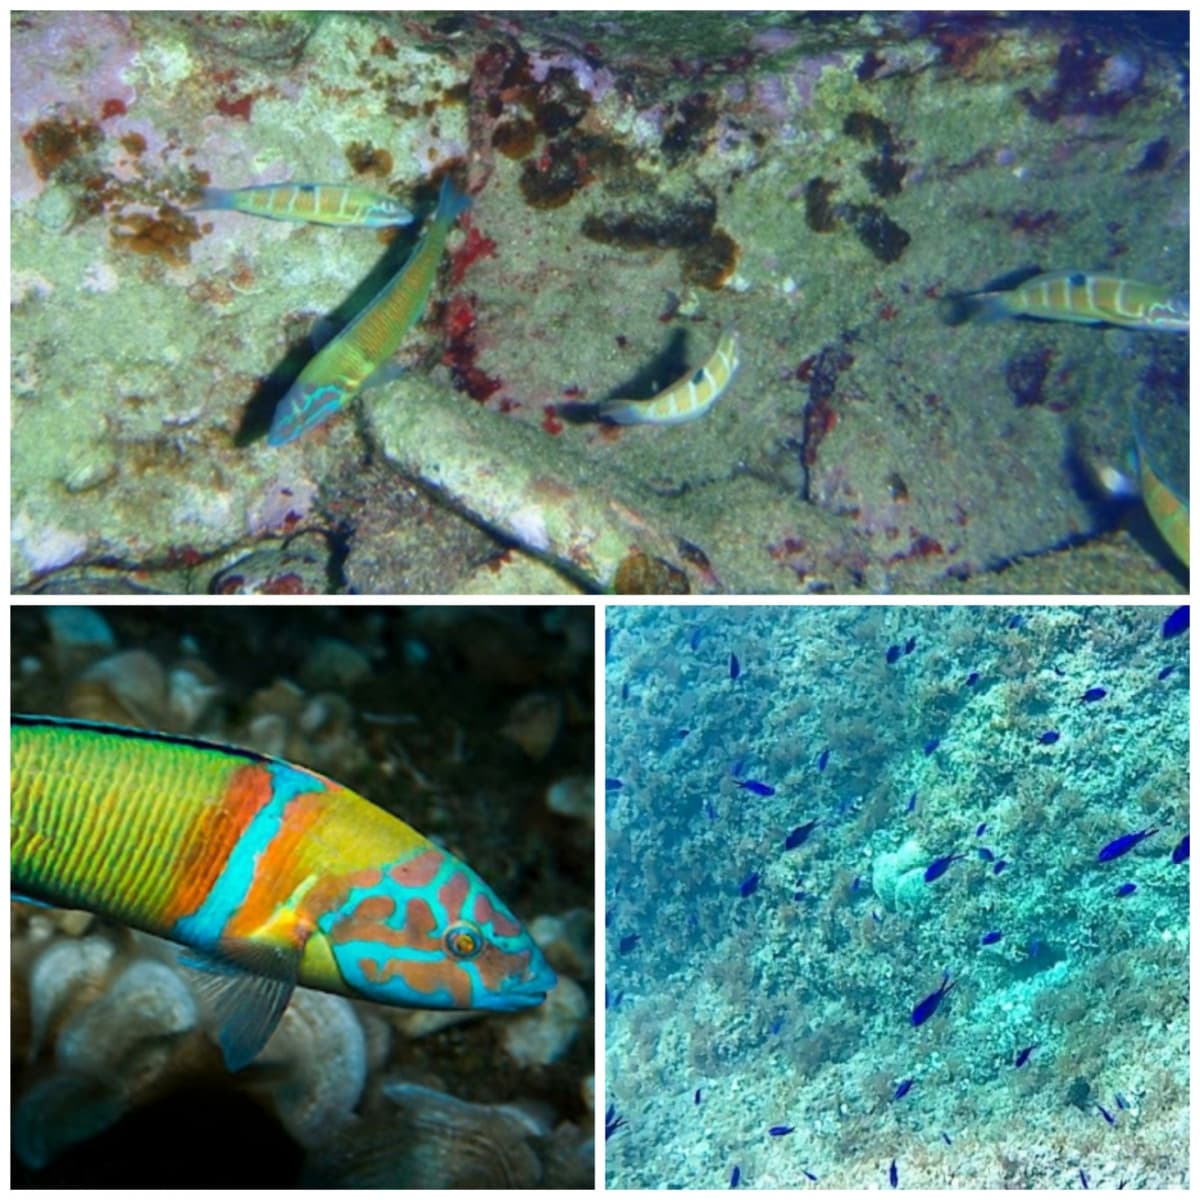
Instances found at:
x=420 y=871
x=487 y=913
x=496 y=966
x=279 y=870
x=453 y=895
x=219 y=827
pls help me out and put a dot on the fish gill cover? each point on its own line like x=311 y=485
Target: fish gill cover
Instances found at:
x=1021 y=990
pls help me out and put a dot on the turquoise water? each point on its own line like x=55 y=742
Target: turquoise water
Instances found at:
x=793 y=1005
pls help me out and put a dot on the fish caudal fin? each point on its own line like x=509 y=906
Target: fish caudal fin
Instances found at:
x=213 y=198
x=972 y=306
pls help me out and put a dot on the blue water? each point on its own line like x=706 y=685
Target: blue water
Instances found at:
x=793 y=1005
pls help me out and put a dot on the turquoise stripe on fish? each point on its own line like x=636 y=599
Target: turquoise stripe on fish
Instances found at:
x=210 y=921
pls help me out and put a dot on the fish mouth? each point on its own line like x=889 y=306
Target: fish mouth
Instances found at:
x=531 y=990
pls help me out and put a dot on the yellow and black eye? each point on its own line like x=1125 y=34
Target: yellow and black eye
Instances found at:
x=463 y=941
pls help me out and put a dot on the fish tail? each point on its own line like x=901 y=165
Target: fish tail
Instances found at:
x=973 y=306
x=451 y=202
x=213 y=197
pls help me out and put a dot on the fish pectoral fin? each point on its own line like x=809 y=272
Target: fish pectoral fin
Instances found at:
x=244 y=986
x=384 y=374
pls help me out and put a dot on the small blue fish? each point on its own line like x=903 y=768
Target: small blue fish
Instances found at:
x=1122 y=845
x=694 y=640
x=991 y=937
x=1015 y=622
x=1000 y=865
x=736 y=770
x=823 y=760
x=775 y=1026
x=980 y=830
x=985 y=854
x=932 y=745
x=1023 y=1057
x=1106 y=1114
x=893 y=1175
x=749 y=885
x=910 y=645
x=893 y=654
x=972 y=679
x=759 y=789
x=912 y=802
x=709 y=811
x=1049 y=737
x=613 y=785
x=940 y=866
x=946 y=1138
x=696 y=1097
x=799 y=835
x=902 y=1089
x=1127 y=889
x=1176 y=623
x=810 y=1175
x=1180 y=853
x=1082 y=1177
x=929 y=1005
x=876 y=917
x=735 y=667
x=1092 y=695
x=1121 y=1101
x=628 y=942
x=1165 y=672
x=781 y=1130
x=612 y=1122
x=1034 y=947
x=735 y=1178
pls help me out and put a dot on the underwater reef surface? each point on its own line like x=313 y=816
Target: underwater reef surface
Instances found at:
x=896 y=889
x=475 y=726
x=641 y=182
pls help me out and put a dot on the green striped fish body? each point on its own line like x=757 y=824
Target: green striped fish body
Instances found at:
x=315 y=203
x=282 y=875
x=1078 y=297
x=338 y=371
x=686 y=400
x=1168 y=509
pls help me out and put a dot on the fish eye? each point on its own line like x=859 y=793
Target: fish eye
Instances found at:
x=463 y=940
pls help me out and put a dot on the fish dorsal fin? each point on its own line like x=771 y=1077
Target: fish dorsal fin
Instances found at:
x=245 y=986
x=1012 y=279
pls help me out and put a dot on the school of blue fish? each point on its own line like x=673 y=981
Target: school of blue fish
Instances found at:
x=1122 y=847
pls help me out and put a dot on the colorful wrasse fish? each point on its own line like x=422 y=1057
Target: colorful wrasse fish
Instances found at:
x=686 y=400
x=276 y=875
x=340 y=369
x=1082 y=297
x=318 y=203
x=1167 y=507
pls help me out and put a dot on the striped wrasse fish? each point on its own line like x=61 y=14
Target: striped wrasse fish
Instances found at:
x=318 y=203
x=1168 y=508
x=1081 y=297
x=272 y=874
x=688 y=399
x=336 y=374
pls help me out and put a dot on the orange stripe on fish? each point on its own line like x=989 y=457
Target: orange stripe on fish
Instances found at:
x=686 y=400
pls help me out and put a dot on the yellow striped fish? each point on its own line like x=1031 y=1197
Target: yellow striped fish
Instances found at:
x=338 y=372
x=688 y=399
x=1081 y=297
x=1167 y=508
x=318 y=203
